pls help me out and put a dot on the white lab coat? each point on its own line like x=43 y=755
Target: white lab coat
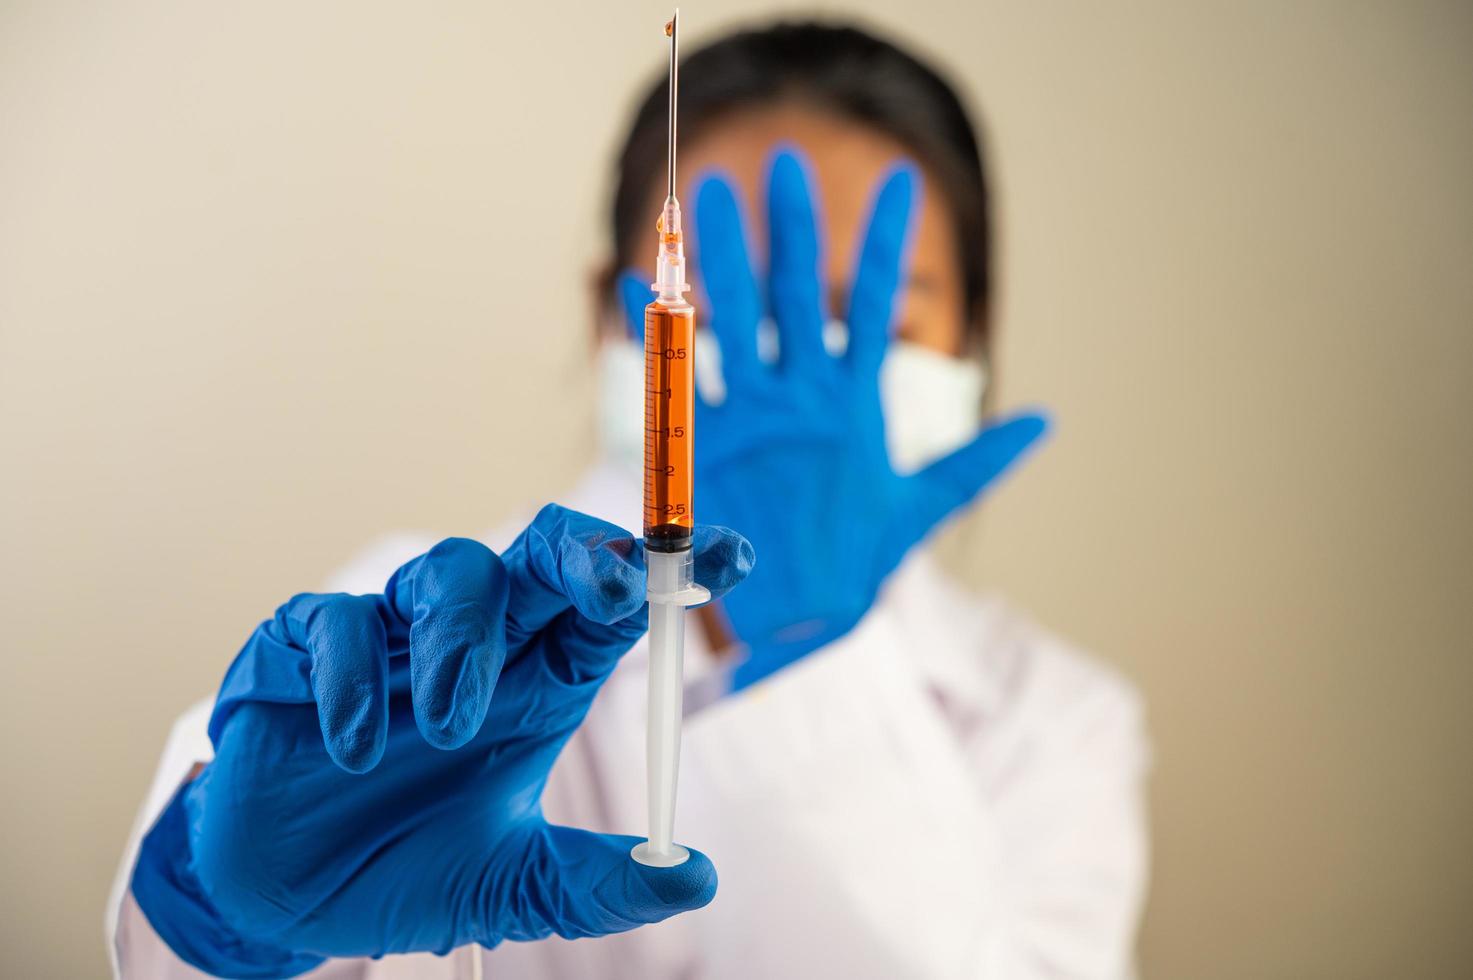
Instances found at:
x=946 y=792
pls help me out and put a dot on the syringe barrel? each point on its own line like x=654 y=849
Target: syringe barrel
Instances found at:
x=669 y=418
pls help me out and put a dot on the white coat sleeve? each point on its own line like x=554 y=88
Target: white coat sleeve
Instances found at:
x=1056 y=742
x=136 y=950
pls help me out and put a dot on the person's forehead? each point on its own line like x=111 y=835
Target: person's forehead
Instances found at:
x=846 y=157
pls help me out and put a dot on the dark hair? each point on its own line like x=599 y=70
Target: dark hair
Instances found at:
x=836 y=68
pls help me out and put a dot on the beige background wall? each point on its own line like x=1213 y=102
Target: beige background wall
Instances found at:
x=260 y=295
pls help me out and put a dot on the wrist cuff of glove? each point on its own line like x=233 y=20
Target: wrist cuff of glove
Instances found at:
x=768 y=657
x=171 y=897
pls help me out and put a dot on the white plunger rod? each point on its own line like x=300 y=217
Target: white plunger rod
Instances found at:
x=671 y=590
x=667 y=673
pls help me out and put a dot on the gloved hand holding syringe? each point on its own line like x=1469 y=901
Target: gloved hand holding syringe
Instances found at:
x=669 y=410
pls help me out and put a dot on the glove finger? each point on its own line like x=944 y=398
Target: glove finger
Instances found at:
x=634 y=296
x=580 y=884
x=554 y=677
x=579 y=651
x=733 y=303
x=584 y=650
x=455 y=599
x=345 y=639
x=793 y=277
x=567 y=560
x=881 y=265
x=954 y=480
x=722 y=558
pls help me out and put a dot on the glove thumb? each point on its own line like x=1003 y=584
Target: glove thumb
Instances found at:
x=586 y=884
x=953 y=481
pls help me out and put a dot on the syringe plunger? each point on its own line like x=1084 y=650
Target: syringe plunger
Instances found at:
x=671 y=589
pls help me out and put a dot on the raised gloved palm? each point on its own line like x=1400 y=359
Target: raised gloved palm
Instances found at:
x=380 y=760
x=795 y=453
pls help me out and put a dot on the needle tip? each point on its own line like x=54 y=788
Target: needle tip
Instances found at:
x=672 y=28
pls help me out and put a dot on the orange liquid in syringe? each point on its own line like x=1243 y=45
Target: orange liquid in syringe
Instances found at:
x=669 y=411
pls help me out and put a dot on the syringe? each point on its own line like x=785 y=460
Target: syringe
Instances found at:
x=669 y=409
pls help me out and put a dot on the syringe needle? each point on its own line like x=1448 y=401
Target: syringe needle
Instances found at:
x=672 y=31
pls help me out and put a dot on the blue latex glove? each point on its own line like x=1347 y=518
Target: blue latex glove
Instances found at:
x=380 y=760
x=795 y=455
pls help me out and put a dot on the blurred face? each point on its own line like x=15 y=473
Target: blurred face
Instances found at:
x=848 y=161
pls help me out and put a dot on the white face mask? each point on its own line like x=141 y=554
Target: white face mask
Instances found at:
x=932 y=402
